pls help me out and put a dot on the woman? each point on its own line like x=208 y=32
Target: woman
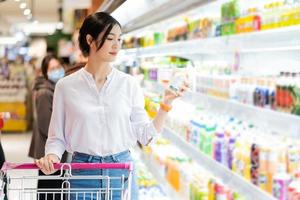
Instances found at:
x=43 y=91
x=98 y=111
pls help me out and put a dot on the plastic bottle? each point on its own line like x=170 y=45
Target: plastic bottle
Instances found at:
x=177 y=81
x=255 y=150
x=210 y=133
x=289 y=92
x=220 y=192
x=293 y=157
x=285 y=91
x=220 y=148
x=231 y=147
x=272 y=95
x=281 y=182
x=211 y=189
x=197 y=126
x=279 y=91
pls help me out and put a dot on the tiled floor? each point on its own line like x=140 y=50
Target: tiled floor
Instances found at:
x=15 y=146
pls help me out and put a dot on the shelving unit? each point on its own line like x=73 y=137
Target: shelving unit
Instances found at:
x=278 y=123
x=144 y=13
x=253 y=54
x=282 y=39
x=238 y=183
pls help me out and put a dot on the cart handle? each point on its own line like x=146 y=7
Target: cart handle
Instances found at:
x=128 y=165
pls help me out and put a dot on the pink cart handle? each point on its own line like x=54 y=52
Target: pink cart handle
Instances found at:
x=9 y=166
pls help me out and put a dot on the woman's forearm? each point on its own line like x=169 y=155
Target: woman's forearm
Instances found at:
x=160 y=119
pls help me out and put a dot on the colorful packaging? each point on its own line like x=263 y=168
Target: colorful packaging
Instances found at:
x=281 y=183
x=255 y=164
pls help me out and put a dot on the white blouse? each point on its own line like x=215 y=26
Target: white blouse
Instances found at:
x=98 y=121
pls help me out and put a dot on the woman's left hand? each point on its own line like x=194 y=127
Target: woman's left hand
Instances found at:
x=171 y=95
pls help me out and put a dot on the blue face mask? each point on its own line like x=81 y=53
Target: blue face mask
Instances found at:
x=55 y=75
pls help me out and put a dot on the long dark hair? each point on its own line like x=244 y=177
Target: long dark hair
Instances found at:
x=93 y=25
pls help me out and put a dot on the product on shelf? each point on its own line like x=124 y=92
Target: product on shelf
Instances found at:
x=162 y=70
x=249 y=23
x=188 y=179
x=230 y=11
x=231 y=20
x=149 y=188
x=281 y=93
x=269 y=163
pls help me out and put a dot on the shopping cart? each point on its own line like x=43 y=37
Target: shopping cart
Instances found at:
x=19 y=189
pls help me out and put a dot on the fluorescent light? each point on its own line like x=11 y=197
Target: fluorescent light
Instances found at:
x=27 y=11
x=41 y=29
x=23 y=5
x=17 y=0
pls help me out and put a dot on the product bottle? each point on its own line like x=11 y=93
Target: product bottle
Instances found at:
x=220 y=148
x=281 y=182
x=230 y=154
x=279 y=91
x=177 y=81
x=272 y=96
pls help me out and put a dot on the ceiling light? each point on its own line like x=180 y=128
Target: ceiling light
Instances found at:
x=23 y=5
x=27 y=11
x=17 y=0
x=41 y=29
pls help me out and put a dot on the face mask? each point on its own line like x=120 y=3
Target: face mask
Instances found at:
x=55 y=75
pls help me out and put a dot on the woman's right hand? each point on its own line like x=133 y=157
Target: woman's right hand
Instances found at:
x=46 y=163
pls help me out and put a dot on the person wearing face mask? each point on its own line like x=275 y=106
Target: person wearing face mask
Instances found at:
x=43 y=91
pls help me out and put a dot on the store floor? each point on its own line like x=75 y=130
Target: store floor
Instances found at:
x=15 y=146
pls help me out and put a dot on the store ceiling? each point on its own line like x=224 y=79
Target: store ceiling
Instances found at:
x=46 y=12
x=11 y=13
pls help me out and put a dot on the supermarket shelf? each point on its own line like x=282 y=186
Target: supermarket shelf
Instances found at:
x=144 y=13
x=281 y=39
x=234 y=181
x=275 y=122
x=152 y=167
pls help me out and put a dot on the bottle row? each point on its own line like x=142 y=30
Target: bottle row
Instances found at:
x=188 y=179
x=272 y=164
x=234 y=18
